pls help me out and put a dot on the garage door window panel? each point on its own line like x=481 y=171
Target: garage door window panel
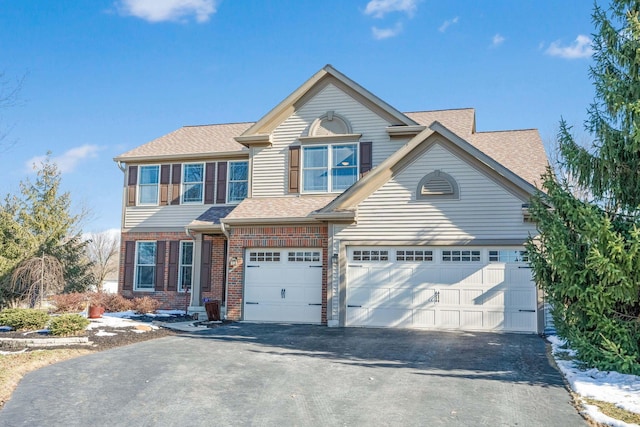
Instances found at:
x=371 y=255
x=508 y=256
x=264 y=256
x=414 y=255
x=304 y=256
x=461 y=256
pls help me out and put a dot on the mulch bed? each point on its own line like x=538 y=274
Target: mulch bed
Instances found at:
x=123 y=335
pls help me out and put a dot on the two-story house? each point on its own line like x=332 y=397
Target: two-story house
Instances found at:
x=335 y=208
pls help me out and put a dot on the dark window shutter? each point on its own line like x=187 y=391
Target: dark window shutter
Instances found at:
x=161 y=251
x=294 y=169
x=209 y=183
x=164 y=184
x=174 y=254
x=129 y=265
x=131 y=185
x=366 y=158
x=205 y=270
x=221 y=195
x=176 y=178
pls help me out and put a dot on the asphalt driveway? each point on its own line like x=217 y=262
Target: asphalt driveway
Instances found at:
x=279 y=375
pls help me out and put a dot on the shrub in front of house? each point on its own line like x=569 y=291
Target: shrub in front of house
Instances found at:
x=146 y=305
x=114 y=303
x=24 y=319
x=71 y=302
x=67 y=325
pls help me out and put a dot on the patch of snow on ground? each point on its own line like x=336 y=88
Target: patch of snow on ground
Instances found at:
x=102 y=333
x=117 y=320
x=620 y=389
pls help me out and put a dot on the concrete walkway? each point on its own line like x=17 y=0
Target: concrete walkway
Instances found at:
x=275 y=375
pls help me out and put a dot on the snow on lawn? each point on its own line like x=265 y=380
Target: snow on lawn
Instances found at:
x=118 y=320
x=619 y=389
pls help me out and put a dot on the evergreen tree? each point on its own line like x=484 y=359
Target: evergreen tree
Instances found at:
x=587 y=257
x=40 y=222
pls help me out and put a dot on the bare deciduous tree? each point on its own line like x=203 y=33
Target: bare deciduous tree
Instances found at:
x=9 y=91
x=36 y=278
x=102 y=250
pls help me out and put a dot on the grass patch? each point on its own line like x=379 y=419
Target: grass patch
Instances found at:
x=14 y=366
x=611 y=410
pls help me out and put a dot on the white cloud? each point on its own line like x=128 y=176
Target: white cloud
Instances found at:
x=497 y=40
x=68 y=161
x=168 y=10
x=379 y=8
x=580 y=48
x=446 y=24
x=385 y=33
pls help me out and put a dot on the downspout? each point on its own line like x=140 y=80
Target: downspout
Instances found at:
x=120 y=166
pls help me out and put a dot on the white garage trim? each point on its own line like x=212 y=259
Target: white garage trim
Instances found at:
x=283 y=285
x=466 y=288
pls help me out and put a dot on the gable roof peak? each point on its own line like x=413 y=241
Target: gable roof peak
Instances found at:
x=327 y=74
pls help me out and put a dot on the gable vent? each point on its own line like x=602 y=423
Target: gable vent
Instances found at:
x=436 y=187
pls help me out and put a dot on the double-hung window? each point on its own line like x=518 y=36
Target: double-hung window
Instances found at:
x=148 y=185
x=145 y=265
x=238 y=181
x=192 y=183
x=186 y=266
x=329 y=168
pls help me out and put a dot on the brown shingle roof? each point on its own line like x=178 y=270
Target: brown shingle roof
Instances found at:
x=191 y=141
x=521 y=151
x=279 y=207
x=460 y=121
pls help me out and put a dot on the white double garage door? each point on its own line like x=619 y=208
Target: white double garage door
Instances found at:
x=479 y=288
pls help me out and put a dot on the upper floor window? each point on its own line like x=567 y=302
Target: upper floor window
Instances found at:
x=145 y=265
x=192 y=183
x=148 y=185
x=329 y=168
x=238 y=181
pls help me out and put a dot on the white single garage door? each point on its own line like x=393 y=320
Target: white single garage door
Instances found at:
x=467 y=288
x=283 y=285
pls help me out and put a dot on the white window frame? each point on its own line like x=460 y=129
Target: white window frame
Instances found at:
x=181 y=266
x=185 y=184
x=330 y=167
x=229 y=182
x=140 y=186
x=137 y=286
x=508 y=256
x=460 y=256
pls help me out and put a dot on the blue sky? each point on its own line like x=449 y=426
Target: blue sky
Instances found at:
x=104 y=76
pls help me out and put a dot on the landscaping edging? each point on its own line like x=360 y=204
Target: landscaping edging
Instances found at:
x=43 y=342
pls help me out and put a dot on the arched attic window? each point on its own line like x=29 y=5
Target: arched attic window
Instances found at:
x=437 y=185
x=330 y=124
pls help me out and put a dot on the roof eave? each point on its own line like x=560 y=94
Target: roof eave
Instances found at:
x=278 y=220
x=403 y=131
x=256 y=140
x=164 y=157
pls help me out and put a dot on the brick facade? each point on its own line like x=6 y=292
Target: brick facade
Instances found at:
x=173 y=299
x=241 y=238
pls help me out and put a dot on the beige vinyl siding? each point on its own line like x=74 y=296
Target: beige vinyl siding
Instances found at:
x=485 y=210
x=269 y=171
x=162 y=216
